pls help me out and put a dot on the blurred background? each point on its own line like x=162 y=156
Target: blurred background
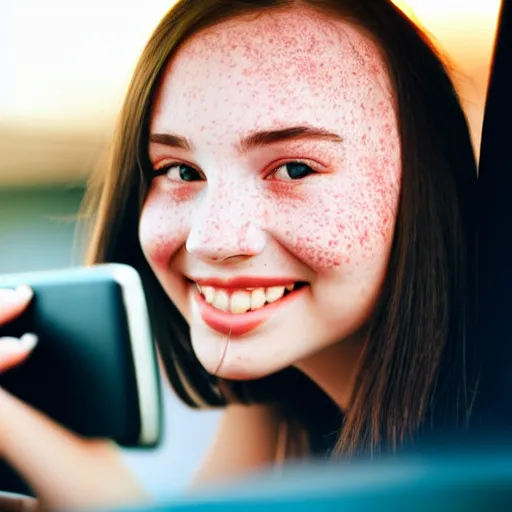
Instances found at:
x=64 y=68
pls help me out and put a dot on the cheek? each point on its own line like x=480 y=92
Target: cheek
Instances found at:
x=163 y=229
x=342 y=220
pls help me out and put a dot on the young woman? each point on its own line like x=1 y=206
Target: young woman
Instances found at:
x=294 y=180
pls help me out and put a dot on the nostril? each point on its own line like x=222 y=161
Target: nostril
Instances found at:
x=232 y=259
x=234 y=245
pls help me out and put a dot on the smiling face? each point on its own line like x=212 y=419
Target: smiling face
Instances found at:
x=277 y=174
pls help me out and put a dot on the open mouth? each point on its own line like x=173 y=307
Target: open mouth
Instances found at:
x=235 y=311
x=239 y=301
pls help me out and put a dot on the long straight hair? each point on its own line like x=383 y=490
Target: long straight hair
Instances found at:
x=413 y=377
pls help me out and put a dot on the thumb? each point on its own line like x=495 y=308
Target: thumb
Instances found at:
x=17 y=503
x=13 y=302
x=13 y=351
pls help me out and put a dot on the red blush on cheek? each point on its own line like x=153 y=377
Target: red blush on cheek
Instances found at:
x=384 y=176
x=319 y=255
x=342 y=222
x=290 y=193
x=309 y=230
x=159 y=250
x=162 y=232
x=181 y=194
x=177 y=193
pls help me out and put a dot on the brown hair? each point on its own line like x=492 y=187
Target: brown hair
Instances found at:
x=413 y=376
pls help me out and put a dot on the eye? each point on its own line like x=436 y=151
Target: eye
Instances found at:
x=180 y=172
x=291 y=171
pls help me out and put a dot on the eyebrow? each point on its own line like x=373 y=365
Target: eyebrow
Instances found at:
x=171 y=140
x=256 y=139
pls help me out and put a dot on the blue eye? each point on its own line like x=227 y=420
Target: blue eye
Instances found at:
x=180 y=172
x=292 y=171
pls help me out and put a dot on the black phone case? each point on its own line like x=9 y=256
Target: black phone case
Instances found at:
x=84 y=372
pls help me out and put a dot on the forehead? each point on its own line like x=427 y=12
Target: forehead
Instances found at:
x=279 y=67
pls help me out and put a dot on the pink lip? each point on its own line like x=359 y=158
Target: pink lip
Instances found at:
x=244 y=282
x=239 y=324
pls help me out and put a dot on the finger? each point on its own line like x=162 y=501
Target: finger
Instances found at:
x=13 y=302
x=17 y=503
x=14 y=351
x=92 y=472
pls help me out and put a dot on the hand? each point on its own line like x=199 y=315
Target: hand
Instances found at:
x=16 y=503
x=64 y=470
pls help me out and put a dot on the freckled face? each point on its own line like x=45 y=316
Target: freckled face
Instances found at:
x=315 y=205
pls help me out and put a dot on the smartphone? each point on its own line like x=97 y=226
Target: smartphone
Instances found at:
x=94 y=369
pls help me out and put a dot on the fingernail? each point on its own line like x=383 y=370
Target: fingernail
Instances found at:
x=29 y=341
x=24 y=291
x=11 y=345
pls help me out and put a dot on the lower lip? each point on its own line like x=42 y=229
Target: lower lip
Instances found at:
x=239 y=324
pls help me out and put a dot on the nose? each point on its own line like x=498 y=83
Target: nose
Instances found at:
x=226 y=231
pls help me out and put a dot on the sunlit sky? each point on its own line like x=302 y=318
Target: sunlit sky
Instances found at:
x=68 y=60
x=464 y=27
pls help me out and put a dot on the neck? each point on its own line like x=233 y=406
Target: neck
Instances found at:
x=334 y=370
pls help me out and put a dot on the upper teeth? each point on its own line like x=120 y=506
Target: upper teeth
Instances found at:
x=241 y=301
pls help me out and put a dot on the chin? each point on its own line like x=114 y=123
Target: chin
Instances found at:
x=233 y=362
x=240 y=374
x=251 y=357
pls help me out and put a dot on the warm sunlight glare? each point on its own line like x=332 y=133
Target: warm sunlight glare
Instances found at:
x=70 y=61
x=464 y=32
